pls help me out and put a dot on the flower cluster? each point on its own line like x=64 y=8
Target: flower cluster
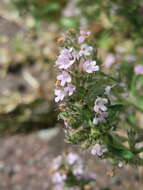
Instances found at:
x=68 y=61
x=69 y=173
x=100 y=110
x=91 y=99
x=64 y=61
x=79 y=87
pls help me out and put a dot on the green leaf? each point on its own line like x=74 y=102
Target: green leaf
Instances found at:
x=115 y=147
x=116 y=107
x=136 y=92
x=126 y=154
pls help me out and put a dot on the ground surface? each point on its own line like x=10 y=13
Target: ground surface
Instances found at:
x=25 y=162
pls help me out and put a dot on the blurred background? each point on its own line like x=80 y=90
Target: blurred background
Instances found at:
x=30 y=134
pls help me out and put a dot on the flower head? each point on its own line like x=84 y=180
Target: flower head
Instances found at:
x=78 y=170
x=70 y=89
x=58 y=177
x=83 y=36
x=60 y=94
x=98 y=150
x=72 y=158
x=90 y=66
x=65 y=59
x=100 y=118
x=64 y=77
x=100 y=104
x=85 y=50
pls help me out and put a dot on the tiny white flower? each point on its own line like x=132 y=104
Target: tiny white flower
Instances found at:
x=60 y=94
x=58 y=177
x=90 y=66
x=72 y=158
x=85 y=50
x=100 y=104
x=98 y=150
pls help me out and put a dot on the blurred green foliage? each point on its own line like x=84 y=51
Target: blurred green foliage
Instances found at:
x=41 y=9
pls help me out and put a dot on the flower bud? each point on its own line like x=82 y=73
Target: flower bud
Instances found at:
x=58 y=84
x=71 y=31
x=62 y=107
x=61 y=40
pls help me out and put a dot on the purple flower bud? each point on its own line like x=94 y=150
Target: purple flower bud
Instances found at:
x=83 y=36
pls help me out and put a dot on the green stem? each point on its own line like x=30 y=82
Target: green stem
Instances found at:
x=108 y=76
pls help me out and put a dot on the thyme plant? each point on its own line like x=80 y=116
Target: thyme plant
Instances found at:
x=97 y=108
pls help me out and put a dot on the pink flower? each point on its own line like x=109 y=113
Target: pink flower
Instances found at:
x=100 y=118
x=78 y=170
x=100 y=104
x=100 y=110
x=60 y=94
x=58 y=177
x=65 y=59
x=72 y=158
x=85 y=50
x=70 y=89
x=138 y=69
x=90 y=66
x=98 y=150
x=76 y=55
x=83 y=36
x=64 y=77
